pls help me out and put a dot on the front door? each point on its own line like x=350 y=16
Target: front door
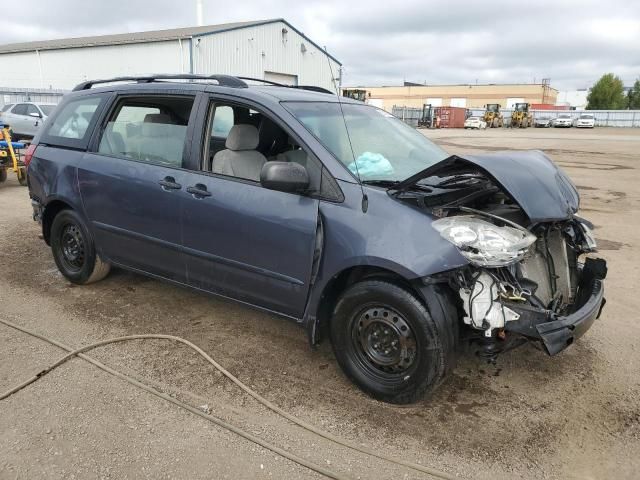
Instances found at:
x=131 y=186
x=242 y=240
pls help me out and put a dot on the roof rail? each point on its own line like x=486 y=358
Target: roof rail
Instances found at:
x=312 y=88
x=223 y=80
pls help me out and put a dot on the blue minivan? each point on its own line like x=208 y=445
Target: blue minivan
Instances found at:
x=325 y=210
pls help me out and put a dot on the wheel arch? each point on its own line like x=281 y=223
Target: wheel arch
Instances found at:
x=52 y=209
x=318 y=322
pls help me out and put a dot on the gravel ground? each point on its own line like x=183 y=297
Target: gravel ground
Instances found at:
x=576 y=415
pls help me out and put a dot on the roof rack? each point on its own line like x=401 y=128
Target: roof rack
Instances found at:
x=223 y=80
x=312 y=88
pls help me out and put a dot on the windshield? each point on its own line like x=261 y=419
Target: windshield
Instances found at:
x=47 y=109
x=564 y=116
x=492 y=108
x=587 y=117
x=385 y=147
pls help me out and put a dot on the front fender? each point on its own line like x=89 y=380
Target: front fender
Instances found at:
x=390 y=235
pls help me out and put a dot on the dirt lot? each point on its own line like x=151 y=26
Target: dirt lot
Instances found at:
x=573 y=416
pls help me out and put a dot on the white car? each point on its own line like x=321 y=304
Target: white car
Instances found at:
x=585 y=120
x=475 y=122
x=26 y=118
x=563 y=120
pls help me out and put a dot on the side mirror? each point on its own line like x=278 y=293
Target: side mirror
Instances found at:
x=284 y=177
x=35 y=115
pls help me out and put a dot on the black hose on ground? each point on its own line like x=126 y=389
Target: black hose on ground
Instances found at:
x=138 y=383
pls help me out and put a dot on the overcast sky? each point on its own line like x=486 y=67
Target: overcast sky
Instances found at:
x=383 y=42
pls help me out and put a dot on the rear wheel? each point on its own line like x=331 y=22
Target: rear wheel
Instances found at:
x=387 y=343
x=22 y=176
x=3 y=174
x=74 y=251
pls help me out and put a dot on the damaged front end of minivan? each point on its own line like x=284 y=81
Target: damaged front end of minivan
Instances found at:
x=530 y=275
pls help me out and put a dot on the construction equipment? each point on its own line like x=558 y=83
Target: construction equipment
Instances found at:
x=10 y=159
x=355 y=94
x=493 y=116
x=521 y=117
x=426 y=120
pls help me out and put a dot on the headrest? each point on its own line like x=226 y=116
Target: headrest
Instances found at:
x=157 y=118
x=150 y=129
x=242 y=137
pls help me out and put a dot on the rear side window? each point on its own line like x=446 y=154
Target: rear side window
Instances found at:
x=148 y=129
x=20 y=109
x=73 y=122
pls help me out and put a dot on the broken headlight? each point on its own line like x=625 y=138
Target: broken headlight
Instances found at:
x=485 y=244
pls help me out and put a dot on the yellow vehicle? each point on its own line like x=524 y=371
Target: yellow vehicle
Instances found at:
x=492 y=115
x=355 y=93
x=521 y=118
x=9 y=158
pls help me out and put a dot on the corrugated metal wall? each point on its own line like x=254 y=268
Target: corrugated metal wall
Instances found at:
x=16 y=95
x=604 y=118
x=65 y=68
x=252 y=51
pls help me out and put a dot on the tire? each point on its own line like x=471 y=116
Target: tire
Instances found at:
x=3 y=174
x=22 y=178
x=369 y=317
x=74 y=251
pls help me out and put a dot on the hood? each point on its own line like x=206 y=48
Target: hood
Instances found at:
x=534 y=182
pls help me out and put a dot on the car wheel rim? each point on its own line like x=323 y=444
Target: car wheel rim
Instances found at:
x=384 y=341
x=72 y=246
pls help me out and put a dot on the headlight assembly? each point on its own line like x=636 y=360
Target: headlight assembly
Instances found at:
x=485 y=244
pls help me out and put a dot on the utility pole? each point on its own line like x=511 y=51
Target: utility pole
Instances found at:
x=199 y=13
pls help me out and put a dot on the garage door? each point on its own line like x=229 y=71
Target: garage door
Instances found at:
x=283 y=78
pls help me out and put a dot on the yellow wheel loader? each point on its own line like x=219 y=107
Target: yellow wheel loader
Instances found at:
x=493 y=116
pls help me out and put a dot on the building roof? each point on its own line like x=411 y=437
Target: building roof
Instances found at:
x=144 y=37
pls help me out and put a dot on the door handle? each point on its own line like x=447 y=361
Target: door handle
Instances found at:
x=199 y=191
x=169 y=183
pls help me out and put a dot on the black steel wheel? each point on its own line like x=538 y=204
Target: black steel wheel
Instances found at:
x=386 y=341
x=74 y=251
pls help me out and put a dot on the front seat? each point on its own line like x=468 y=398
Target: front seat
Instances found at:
x=240 y=159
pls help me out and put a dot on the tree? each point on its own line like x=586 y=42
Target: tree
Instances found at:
x=607 y=94
x=634 y=96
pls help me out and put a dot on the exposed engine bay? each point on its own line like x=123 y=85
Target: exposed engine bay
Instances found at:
x=525 y=275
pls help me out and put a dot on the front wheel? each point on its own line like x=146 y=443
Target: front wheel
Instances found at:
x=74 y=251
x=387 y=343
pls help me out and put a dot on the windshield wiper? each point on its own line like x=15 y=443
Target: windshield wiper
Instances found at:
x=456 y=179
x=381 y=183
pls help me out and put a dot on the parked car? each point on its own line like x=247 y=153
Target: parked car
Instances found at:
x=26 y=118
x=563 y=120
x=542 y=122
x=475 y=122
x=370 y=235
x=585 y=120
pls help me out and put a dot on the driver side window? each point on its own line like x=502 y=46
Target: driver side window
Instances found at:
x=242 y=139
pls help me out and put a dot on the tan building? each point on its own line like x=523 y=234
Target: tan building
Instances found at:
x=467 y=96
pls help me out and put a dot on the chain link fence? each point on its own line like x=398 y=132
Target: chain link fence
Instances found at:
x=603 y=118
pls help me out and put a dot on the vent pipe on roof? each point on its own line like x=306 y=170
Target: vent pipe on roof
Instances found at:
x=199 y=13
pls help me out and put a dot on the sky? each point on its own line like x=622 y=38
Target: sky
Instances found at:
x=385 y=42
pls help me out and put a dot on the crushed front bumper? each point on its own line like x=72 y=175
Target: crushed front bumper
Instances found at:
x=557 y=332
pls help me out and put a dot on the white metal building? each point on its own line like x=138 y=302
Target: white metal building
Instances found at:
x=269 y=49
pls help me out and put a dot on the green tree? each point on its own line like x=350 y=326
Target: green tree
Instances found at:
x=607 y=94
x=634 y=96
